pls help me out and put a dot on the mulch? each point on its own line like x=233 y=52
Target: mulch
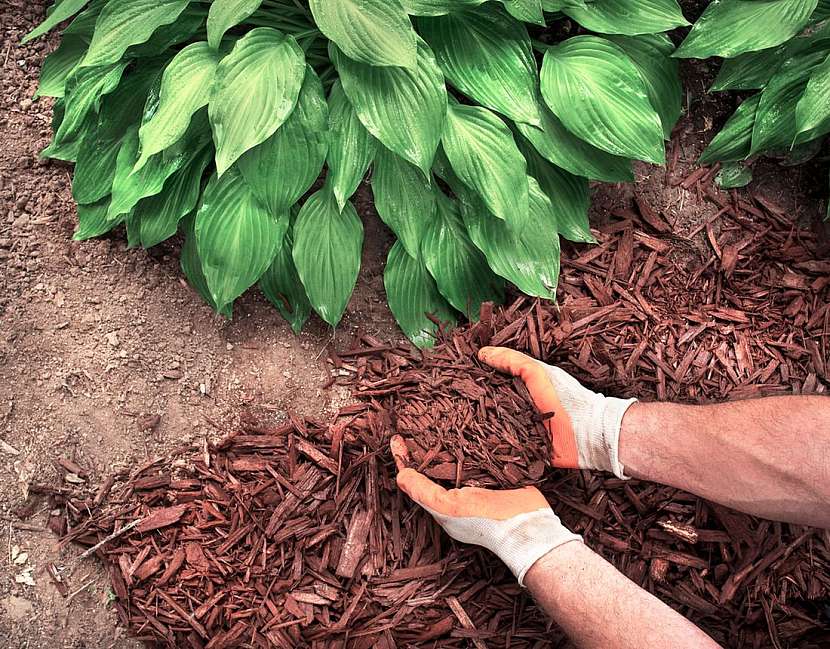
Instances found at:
x=294 y=534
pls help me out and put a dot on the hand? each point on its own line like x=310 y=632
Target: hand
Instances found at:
x=517 y=525
x=585 y=427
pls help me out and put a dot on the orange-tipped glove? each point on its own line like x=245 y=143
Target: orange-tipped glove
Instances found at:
x=517 y=525
x=585 y=427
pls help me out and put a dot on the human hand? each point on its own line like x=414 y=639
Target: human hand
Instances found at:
x=585 y=427
x=517 y=525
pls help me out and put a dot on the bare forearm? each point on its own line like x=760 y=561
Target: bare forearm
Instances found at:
x=597 y=606
x=768 y=457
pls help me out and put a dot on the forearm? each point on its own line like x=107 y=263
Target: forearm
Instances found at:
x=597 y=606
x=768 y=457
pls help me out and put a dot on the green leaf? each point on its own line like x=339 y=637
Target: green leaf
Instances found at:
x=404 y=199
x=734 y=140
x=651 y=54
x=282 y=286
x=750 y=71
x=84 y=89
x=225 y=14
x=123 y=23
x=236 y=237
x=733 y=175
x=412 y=294
x=597 y=92
x=281 y=169
x=486 y=55
x=528 y=256
x=403 y=108
x=728 y=28
x=255 y=89
x=628 y=17
x=564 y=149
x=373 y=32
x=129 y=187
x=569 y=197
x=351 y=149
x=192 y=268
x=327 y=248
x=484 y=155
x=459 y=268
x=185 y=88
x=190 y=21
x=67 y=149
x=158 y=216
x=529 y=11
x=813 y=108
x=62 y=11
x=59 y=65
x=775 y=121
x=92 y=220
x=437 y=7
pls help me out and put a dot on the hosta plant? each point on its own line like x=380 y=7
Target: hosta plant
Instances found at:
x=779 y=51
x=479 y=122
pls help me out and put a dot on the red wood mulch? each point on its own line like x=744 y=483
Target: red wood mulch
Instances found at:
x=295 y=535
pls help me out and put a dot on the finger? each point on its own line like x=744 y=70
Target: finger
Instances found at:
x=399 y=451
x=526 y=368
x=422 y=490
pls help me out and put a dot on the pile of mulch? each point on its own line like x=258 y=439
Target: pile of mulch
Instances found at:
x=295 y=535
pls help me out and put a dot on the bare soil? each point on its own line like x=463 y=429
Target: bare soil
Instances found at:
x=95 y=337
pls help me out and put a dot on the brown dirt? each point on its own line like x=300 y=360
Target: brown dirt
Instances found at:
x=94 y=336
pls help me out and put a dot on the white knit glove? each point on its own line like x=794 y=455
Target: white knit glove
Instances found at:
x=517 y=525
x=585 y=427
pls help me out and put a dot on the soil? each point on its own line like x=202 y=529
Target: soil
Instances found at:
x=94 y=338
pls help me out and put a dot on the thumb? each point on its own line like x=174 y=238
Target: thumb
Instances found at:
x=415 y=485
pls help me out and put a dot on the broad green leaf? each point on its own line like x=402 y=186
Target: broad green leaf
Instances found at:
x=225 y=14
x=814 y=106
x=62 y=11
x=129 y=187
x=84 y=89
x=629 y=17
x=569 y=197
x=412 y=295
x=92 y=220
x=529 y=11
x=486 y=55
x=123 y=23
x=236 y=237
x=158 y=216
x=373 y=32
x=83 y=24
x=185 y=88
x=351 y=149
x=191 y=266
x=255 y=89
x=733 y=175
x=734 y=140
x=281 y=169
x=67 y=149
x=327 y=248
x=597 y=92
x=59 y=65
x=775 y=121
x=437 y=7
x=190 y=21
x=484 y=155
x=559 y=5
x=728 y=28
x=404 y=199
x=822 y=11
x=750 y=71
x=564 y=149
x=459 y=268
x=403 y=108
x=651 y=54
x=527 y=256
x=282 y=286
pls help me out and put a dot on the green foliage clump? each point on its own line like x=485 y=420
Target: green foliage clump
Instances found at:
x=481 y=121
x=779 y=50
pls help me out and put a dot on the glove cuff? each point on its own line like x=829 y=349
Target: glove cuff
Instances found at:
x=526 y=538
x=603 y=450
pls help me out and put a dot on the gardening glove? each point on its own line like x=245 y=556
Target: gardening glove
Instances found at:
x=518 y=525
x=585 y=426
